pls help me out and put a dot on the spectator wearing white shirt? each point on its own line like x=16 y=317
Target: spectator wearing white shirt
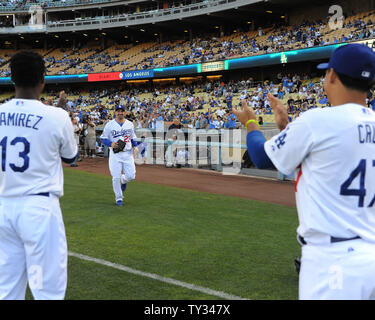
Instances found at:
x=221 y=112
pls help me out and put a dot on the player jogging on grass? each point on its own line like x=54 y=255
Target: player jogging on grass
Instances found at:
x=121 y=160
x=332 y=153
x=34 y=138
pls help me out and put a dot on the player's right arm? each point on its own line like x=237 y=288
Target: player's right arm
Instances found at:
x=68 y=147
x=106 y=137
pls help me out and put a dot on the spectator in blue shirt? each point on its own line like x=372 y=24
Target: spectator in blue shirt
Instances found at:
x=372 y=103
x=229 y=101
x=285 y=82
x=231 y=120
x=323 y=100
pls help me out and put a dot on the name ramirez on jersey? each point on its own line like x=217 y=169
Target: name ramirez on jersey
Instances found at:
x=14 y=119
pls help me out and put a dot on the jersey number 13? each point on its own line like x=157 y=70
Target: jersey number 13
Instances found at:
x=23 y=155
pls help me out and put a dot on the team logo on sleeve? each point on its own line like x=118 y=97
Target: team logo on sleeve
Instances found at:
x=280 y=140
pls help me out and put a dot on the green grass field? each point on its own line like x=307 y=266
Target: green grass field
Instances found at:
x=232 y=245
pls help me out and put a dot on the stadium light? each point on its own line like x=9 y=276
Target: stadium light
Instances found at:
x=190 y=78
x=269 y=11
x=136 y=81
x=214 y=77
x=164 y=80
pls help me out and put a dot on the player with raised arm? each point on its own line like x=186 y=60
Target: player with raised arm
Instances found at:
x=332 y=154
x=119 y=136
x=34 y=138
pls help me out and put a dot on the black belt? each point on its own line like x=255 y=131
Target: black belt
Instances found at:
x=333 y=239
x=44 y=194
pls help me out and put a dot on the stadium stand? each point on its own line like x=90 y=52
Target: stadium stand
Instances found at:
x=209 y=48
x=189 y=100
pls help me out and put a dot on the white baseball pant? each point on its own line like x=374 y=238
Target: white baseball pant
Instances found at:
x=338 y=271
x=119 y=163
x=33 y=248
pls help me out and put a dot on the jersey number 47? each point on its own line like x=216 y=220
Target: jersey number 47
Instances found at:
x=360 y=171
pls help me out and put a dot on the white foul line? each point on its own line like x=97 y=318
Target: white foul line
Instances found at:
x=156 y=277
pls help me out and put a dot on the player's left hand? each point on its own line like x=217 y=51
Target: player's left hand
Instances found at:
x=62 y=95
x=280 y=112
x=245 y=114
x=135 y=151
x=62 y=99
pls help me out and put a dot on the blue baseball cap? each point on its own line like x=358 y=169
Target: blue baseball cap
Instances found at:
x=120 y=108
x=355 y=60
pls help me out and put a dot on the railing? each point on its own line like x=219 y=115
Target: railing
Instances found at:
x=219 y=150
x=216 y=149
x=153 y=16
x=51 y=4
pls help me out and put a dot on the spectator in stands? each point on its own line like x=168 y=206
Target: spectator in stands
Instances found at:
x=221 y=112
x=89 y=128
x=176 y=124
x=323 y=100
x=371 y=102
x=230 y=120
x=77 y=128
x=159 y=122
x=202 y=122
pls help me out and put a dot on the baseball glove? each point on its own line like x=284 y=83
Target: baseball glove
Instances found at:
x=120 y=146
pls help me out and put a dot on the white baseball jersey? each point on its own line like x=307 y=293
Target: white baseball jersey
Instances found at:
x=332 y=152
x=115 y=131
x=33 y=138
x=121 y=164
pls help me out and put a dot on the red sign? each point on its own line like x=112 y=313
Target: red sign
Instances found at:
x=108 y=76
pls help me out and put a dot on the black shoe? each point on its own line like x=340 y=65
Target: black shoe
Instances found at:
x=74 y=165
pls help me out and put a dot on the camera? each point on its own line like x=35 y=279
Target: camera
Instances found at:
x=85 y=119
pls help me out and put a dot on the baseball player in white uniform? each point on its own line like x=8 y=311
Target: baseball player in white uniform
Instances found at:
x=332 y=154
x=121 y=164
x=34 y=138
